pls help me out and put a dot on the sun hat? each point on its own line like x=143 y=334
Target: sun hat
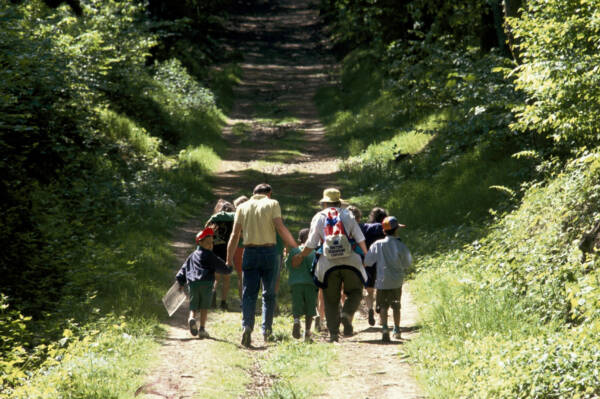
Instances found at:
x=331 y=195
x=390 y=223
x=203 y=234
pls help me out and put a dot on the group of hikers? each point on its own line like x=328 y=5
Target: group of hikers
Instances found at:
x=329 y=265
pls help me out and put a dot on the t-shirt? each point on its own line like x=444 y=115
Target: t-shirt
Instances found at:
x=317 y=235
x=300 y=274
x=393 y=260
x=201 y=265
x=224 y=222
x=372 y=232
x=256 y=218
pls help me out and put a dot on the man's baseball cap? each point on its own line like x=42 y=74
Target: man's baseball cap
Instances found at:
x=390 y=223
x=203 y=234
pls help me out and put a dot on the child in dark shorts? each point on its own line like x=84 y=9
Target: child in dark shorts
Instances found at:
x=198 y=272
x=393 y=260
x=304 y=290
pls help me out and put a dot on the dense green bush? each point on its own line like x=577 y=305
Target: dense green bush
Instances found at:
x=559 y=74
x=93 y=172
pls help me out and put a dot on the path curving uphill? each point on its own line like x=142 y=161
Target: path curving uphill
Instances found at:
x=275 y=136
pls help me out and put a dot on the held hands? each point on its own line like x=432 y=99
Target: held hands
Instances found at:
x=297 y=259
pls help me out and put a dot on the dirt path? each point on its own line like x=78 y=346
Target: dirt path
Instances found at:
x=275 y=136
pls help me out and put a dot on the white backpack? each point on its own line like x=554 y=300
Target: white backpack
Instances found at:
x=336 y=243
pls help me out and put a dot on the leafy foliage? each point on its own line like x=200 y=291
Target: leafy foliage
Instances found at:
x=91 y=135
x=515 y=313
x=494 y=168
x=559 y=73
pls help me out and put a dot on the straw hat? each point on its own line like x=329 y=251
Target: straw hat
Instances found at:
x=331 y=195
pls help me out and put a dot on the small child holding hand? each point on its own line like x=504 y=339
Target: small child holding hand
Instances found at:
x=198 y=272
x=304 y=290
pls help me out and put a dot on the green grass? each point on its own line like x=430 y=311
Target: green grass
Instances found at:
x=510 y=314
x=282 y=156
x=297 y=365
x=107 y=360
x=224 y=368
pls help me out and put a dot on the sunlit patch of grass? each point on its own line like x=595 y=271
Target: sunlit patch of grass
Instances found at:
x=283 y=156
x=201 y=159
x=120 y=127
x=241 y=129
x=280 y=121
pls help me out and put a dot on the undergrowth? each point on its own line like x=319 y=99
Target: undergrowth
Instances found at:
x=114 y=152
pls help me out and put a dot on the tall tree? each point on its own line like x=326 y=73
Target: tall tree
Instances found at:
x=512 y=10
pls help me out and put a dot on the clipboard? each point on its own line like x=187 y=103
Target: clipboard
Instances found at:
x=174 y=298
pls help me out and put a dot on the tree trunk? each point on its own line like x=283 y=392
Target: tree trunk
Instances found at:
x=511 y=9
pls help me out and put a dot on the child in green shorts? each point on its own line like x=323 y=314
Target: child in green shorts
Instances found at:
x=304 y=290
x=198 y=272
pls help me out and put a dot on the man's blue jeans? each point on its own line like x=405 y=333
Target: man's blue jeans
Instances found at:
x=259 y=265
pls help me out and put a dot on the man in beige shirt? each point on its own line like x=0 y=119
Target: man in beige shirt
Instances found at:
x=258 y=220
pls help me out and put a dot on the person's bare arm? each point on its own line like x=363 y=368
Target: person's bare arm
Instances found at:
x=284 y=233
x=234 y=240
x=297 y=259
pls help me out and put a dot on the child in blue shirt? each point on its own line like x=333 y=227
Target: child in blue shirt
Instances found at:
x=393 y=260
x=198 y=272
x=304 y=290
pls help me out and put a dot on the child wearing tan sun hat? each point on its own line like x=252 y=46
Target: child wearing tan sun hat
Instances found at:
x=198 y=272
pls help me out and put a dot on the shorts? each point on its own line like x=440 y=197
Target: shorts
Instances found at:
x=389 y=298
x=200 y=294
x=304 y=300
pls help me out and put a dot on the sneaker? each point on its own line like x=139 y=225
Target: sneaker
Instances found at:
x=202 y=333
x=348 y=330
x=193 y=327
x=334 y=338
x=397 y=333
x=296 y=330
x=247 y=337
x=224 y=306
x=385 y=335
x=377 y=309
x=371 y=317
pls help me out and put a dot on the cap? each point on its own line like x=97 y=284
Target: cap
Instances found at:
x=204 y=233
x=390 y=223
